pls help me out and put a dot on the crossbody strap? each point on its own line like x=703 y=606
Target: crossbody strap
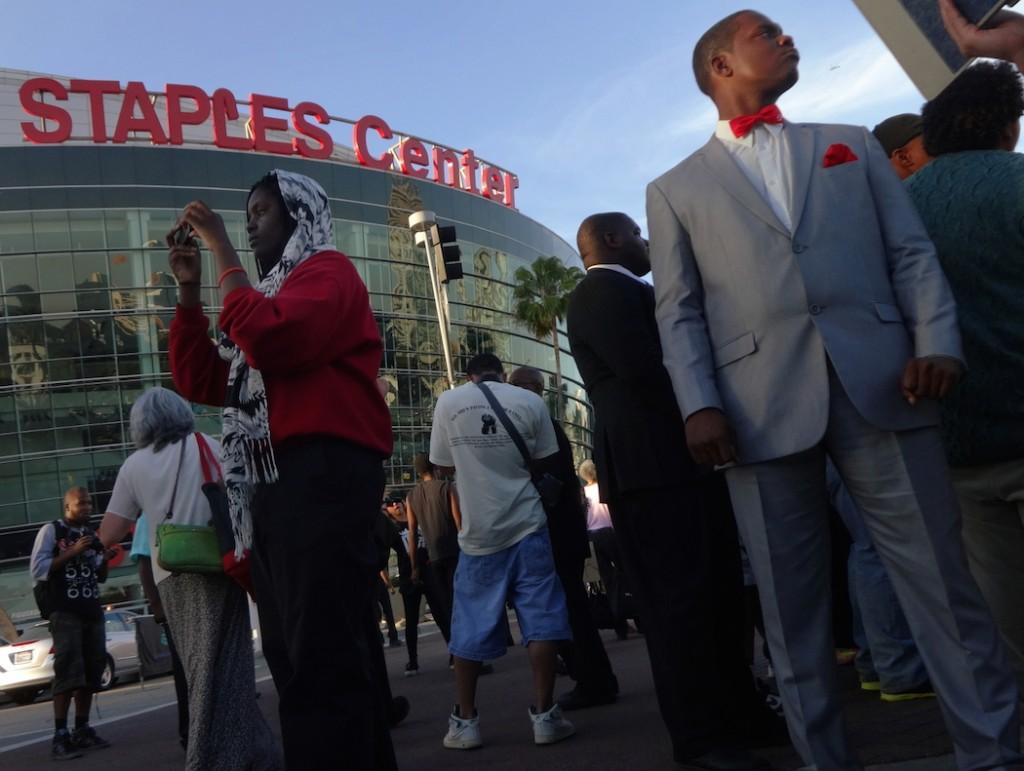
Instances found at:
x=174 y=492
x=506 y=421
x=207 y=460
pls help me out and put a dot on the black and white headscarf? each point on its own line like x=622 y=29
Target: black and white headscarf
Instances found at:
x=248 y=458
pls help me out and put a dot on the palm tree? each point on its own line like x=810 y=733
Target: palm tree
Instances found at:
x=542 y=296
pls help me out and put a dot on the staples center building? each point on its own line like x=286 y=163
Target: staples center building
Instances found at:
x=92 y=177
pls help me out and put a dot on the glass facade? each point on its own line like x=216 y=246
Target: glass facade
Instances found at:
x=87 y=300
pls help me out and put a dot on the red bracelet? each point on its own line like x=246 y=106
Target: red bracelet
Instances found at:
x=228 y=272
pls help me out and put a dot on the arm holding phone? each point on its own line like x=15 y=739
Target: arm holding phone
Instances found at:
x=1003 y=38
x=199 y=220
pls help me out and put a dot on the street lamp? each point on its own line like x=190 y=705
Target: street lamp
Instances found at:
x=444 y=265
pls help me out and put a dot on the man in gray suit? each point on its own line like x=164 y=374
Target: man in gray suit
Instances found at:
x=803 y=312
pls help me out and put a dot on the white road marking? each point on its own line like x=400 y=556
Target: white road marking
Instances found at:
x=47 y=735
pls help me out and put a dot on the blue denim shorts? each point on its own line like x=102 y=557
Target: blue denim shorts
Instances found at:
x=524 y=574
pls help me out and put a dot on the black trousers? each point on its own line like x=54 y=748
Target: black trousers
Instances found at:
x=314 y=570
x=444 y=569
x=585 y=657
x=384 y=606
x=681 y=554
x=609 y=565
x=180 y=685
x=430 y=587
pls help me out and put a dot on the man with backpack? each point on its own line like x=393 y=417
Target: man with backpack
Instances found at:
x=68 y=563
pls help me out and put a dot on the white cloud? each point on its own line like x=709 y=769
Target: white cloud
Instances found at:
x=619 y=134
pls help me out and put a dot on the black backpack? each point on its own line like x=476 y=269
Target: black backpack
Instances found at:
x=42 y=588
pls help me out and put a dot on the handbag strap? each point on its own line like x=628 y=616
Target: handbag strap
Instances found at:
x=209 y=463
x=177 y=476
x=506 y=421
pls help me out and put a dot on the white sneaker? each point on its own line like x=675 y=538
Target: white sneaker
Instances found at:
x=463 y=733
x=550 y=727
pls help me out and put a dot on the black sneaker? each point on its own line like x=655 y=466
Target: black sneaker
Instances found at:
x=63 y=747
x=86 y=738
x=411 y=670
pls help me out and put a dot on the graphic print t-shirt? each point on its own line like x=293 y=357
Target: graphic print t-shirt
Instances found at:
x=499 y=504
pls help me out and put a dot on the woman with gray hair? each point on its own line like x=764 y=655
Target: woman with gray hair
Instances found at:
x=208 y=613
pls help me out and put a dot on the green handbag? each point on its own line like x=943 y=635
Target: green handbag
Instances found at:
x=186 y=548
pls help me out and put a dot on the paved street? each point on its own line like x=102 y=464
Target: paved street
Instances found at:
x=626 y=735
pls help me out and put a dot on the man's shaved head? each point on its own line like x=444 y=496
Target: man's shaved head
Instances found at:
x=77 y=504
x=590 y=236
x=717 y=39
x=74 y=493
x=613 y=238
x=530 y=378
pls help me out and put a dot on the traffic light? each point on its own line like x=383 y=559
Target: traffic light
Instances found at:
x=448 y=254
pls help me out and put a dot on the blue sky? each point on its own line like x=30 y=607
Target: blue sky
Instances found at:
x=585 y=101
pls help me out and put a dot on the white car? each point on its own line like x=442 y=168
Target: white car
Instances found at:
x=26 y=664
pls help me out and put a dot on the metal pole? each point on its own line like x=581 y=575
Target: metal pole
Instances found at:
x=441 y=306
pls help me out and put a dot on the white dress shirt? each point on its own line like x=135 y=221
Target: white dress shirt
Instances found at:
x=765 y=159
x=617 y=269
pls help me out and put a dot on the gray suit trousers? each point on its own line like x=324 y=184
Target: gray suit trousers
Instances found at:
x=901 y=484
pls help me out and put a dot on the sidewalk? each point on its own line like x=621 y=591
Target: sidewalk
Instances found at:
x=626 y=735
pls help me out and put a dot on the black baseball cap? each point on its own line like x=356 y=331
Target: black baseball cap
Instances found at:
x=893 y=133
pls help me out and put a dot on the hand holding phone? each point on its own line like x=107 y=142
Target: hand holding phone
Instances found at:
x=185 y=261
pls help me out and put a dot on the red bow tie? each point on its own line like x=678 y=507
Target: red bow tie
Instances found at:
x=744 y=124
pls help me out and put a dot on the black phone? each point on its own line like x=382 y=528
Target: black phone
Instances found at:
x=184 y=235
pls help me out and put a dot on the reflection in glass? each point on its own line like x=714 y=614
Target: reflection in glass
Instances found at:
x=88 y=299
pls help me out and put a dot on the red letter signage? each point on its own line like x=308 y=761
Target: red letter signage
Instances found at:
x=177 y=117
x=511 y=183
x=33 y=104
x=303 y=126
x=135 y=95
x=269 y=127
x=412 y=154
x=491 y=183
x=225 y=108
x=363 y=125
x=96 y=89
x=446 y=166
x=261 y=123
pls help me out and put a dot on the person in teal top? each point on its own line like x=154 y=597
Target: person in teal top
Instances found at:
x=971 y=198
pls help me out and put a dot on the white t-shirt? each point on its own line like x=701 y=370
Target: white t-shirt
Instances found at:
x=499 y=503
x=598 y=516
x=146 y=483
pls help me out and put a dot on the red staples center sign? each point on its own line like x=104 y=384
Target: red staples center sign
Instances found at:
x=192 y=106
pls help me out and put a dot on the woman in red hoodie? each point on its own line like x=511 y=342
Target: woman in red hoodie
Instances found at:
x=305 y=430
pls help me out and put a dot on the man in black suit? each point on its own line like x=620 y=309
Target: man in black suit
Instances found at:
x=673 y=519
x=585 y=657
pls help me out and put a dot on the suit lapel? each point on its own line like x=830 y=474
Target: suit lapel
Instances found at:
x=802 y=146
x=730 y=176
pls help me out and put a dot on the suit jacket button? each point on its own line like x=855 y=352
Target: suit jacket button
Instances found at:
x=798 y=248
x=815 y=309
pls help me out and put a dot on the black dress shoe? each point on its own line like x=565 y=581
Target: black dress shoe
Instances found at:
x=399 y=710
x=765 y=730
x=578 y=698
x=725 y=759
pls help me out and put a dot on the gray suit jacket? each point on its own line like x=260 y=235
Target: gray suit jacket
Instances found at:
x=749 y=313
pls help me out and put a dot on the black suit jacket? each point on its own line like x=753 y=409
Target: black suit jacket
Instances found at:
x=567 y=520
x=639 y=439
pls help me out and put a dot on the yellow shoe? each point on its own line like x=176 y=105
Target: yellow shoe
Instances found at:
x=870 y=685
x=845 y=656
x=923 y=691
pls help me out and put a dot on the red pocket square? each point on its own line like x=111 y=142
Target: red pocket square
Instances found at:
x=836 y=155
